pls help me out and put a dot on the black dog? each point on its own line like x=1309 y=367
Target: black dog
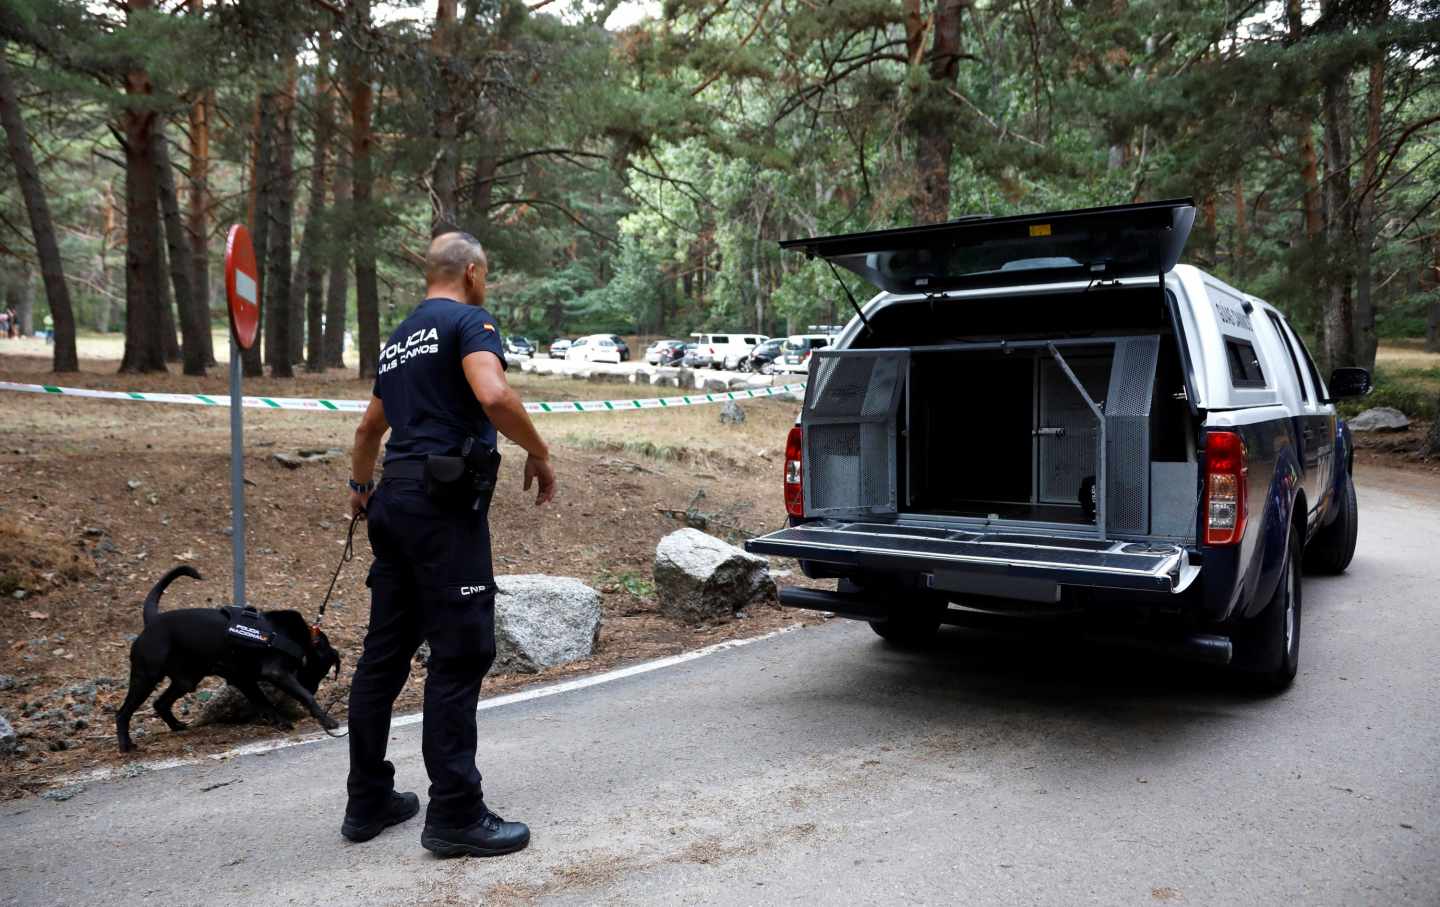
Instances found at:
x=190 y=645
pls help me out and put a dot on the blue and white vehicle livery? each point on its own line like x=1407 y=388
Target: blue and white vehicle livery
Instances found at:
x=1047 y=416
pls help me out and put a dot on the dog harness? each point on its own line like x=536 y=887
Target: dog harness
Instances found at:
x=249 y=629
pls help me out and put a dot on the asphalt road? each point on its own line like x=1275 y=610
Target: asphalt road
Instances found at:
x=821 y=765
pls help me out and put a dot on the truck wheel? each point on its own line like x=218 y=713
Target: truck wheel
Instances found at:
x=910 y=625
x=1267 y=647
x=1333 y=547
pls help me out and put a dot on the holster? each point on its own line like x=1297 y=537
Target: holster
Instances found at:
x=468 y=479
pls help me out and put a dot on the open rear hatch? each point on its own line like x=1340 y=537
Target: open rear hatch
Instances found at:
x=1088 y=244
x=987 y=563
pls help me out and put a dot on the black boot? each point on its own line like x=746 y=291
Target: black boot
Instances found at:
x=399 y=808
x=489 y=837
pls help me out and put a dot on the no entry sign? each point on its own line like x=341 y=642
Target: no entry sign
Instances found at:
x=242 y=286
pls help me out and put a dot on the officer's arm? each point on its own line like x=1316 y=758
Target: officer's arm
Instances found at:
x=486 y=375
x=368 y=435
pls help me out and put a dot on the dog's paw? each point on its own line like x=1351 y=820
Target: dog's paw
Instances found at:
x=329 y=723
x=126 y=746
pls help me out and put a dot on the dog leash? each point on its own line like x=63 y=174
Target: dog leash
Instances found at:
x=345 y=557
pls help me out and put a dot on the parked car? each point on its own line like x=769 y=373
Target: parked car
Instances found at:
x=559 y=347
x=696 y=356
x=519 y=346
x=1047 y=415
x=727 y=350
x=797 y=350
x=763 y=358
x=622 y=346
x=665 y=352
x=594 y=348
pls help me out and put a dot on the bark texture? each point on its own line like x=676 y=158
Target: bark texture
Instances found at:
x=194 y=314
x=367 y=291
x=281 y=212
x=144 y=312
x=198 y=208
x=57 y=291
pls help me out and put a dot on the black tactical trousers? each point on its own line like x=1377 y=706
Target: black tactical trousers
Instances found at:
x=432 y=579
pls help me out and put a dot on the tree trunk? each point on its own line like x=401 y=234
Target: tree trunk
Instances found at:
x=932 y=118
x=443 y=45
x=312 y=242
x=194 y=313
x=1363 y=330
x=57 y=292
x=261 y=169
x=198 y=216
x=282 y=215
x=144 y=315
x=1431 y=282
x=1336 y=320
x=169 y=336
x=1305 y=140
x=1242 y=234
x=367 y=291
x=337 y=291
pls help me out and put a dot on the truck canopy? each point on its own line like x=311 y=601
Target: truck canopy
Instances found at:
x=1088 y=244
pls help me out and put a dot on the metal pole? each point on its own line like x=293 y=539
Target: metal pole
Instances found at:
x=1099 y=444
x=237 y=476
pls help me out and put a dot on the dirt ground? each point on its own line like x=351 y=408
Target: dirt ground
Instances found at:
x=98 y=498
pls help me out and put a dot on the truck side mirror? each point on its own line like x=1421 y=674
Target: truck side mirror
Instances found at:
x=1349 y=382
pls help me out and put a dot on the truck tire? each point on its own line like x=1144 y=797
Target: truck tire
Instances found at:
x=1334 y=546
x=910 y=625
x=1267 y=647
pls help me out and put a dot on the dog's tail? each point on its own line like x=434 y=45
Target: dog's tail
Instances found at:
x=152 y=601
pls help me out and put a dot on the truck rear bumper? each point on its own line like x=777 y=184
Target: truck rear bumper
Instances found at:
x=1000 y=564
x=1199 y=647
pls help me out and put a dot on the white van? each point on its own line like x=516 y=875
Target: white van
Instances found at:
x=727 y=351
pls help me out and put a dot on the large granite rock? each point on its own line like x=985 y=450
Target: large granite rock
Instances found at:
x=1380 y=418
x=229 y=706
x=543 y=621
x=701 y=578
x=9 y=740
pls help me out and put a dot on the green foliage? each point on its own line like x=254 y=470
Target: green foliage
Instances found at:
x=1412 y=391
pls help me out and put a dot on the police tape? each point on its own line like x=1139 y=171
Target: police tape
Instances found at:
x=356 y=406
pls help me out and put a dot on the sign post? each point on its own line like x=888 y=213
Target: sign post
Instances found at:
x=242 y=291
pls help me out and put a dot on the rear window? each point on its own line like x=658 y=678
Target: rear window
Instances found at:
x=1245 y=370
x=719 y=338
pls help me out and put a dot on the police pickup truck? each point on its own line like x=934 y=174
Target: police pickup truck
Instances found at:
x=1047 y=416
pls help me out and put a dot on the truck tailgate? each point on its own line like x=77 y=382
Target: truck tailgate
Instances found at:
x=949 y=555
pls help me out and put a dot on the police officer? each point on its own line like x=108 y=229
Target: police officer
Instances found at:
x=441 y=383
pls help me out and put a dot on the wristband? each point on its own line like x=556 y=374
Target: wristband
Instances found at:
x=361 y=489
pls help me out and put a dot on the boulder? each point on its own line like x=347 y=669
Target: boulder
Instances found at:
x=543 y=621
x=715 y=385
x=731 y=413
x=701 y=578
x=1380 y=418
x=9 y=740
x=229 y=706
x=665 y=377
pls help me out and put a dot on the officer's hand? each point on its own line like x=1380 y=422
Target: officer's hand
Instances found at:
x=358 y=500
x=538 y=469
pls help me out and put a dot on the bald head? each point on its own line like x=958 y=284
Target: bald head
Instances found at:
x=450 y=255
x=455 y=266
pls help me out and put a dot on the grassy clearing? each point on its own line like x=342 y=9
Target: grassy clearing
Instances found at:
x=1412 y=389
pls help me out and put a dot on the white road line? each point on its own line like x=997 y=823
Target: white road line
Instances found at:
x=555 y=689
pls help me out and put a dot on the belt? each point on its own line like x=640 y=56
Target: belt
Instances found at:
x=403 y=469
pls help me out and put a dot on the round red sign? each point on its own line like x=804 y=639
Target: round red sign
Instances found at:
x=242 y=286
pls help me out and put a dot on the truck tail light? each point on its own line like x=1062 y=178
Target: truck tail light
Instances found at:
x=1224 y=488
x=794 y=491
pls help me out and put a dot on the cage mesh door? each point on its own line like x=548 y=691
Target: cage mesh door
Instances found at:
x=849 y=432
x=1066 y=458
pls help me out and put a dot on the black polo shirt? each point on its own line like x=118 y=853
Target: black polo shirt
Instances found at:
x=428 y=402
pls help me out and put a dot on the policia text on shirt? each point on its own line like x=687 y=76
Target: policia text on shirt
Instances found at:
x=442 y=394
